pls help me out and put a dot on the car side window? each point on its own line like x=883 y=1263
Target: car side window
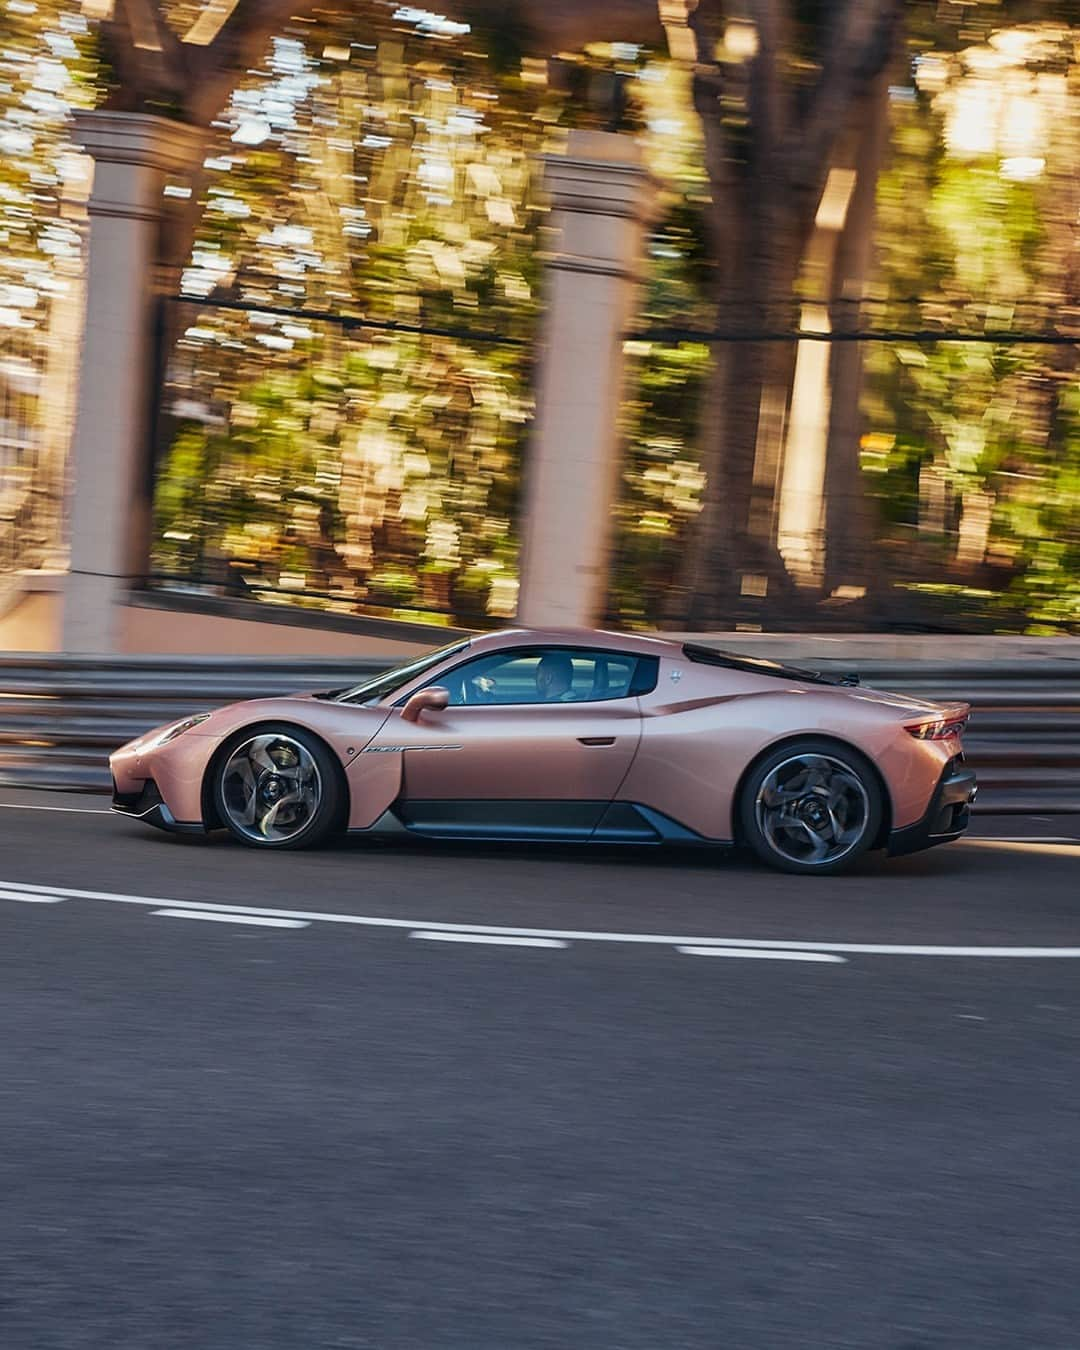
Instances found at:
x=544 y=675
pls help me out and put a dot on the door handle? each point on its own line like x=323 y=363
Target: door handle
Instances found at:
x=597 y=740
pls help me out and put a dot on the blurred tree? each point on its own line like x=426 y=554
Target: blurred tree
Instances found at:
x=366 y=159
x=371 y=157
x=972 y=451
x=46 y=66
x=776 y=87
x=828 y=274
x=391 y=178
x=184 y=58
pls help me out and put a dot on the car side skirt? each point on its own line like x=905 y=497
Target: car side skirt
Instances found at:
x=537 y=821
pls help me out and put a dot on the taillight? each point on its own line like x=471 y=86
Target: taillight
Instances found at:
x=937 y=731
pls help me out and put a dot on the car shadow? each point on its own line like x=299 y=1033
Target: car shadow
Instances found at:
x=730 y=860
x=727 y=860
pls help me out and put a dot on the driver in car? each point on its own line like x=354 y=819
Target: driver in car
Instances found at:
x=554 y=676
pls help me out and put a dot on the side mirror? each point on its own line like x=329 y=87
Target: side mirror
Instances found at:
x=432 y=699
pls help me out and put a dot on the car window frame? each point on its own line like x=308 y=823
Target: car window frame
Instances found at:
x=533 y=648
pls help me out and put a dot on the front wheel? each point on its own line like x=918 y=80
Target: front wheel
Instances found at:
x=278 y=787
x=811 y=807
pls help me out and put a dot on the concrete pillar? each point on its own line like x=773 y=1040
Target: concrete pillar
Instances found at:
x=602 y=199
x=135 y=156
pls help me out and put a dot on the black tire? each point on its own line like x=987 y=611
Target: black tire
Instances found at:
x=847 y=793
x=295 y=771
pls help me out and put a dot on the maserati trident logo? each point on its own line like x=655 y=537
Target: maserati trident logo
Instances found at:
x=676 y=675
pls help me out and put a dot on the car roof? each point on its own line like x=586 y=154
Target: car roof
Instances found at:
x=575 y=637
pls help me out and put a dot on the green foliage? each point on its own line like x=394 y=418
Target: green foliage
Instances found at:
x=972 y=451
x=392 y=176
x=47 y=67
x=370 y=169
x=661 y=480
x=394 y=179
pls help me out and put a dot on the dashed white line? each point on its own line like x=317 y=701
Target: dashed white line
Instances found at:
x=760 y=954
x=491 y=939
x=569 y=935
x=230 y=918
x=32 y=899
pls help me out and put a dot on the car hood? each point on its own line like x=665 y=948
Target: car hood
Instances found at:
x=346 y=727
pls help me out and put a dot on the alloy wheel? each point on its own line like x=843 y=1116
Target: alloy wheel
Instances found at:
x=812 y=809
x=271 y=788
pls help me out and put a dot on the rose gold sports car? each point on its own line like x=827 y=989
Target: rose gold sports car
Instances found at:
x=570 y=735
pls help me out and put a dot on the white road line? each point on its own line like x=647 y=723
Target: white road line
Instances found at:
x=564 y=935
x=1026 y=839
x=1070 y=850
x=229 y=918
x=68 y=810
x=490 y=938
x=760 y=954
x=32 y=899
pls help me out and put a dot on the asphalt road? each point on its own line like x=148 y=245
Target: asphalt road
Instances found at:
x=322 y=1131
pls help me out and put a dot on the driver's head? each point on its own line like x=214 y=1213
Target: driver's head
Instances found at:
x=554 y=675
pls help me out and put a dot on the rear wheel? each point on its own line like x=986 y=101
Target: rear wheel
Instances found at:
x=811 y=807
x=278 y=787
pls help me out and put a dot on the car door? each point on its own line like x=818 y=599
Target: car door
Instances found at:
x=519 y=766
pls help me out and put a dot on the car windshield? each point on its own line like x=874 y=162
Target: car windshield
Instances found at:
x=390 y=681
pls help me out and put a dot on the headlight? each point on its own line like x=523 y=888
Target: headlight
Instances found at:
x=171 y=732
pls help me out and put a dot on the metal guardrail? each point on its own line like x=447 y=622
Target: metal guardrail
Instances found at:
x=61 y=716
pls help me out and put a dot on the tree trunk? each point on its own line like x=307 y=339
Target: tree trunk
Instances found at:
x=732 y=571
x=848 y=526
x=730 y=565
x=766 y=169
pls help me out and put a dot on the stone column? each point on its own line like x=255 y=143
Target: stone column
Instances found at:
x=135 y=157
x=602 y=199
